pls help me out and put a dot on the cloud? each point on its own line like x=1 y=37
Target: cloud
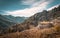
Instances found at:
x=28 y=2
x=41 y=2
x=34 y=2
x=34 y=8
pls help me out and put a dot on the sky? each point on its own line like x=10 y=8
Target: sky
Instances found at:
x=26 y=8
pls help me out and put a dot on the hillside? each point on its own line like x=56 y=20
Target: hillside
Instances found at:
x=52 y=32
x=4 y=22
x=33 y=21
x=7 y=21
x=16 y=20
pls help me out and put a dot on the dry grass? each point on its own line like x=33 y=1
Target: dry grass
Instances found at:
x=53 y=32
x=35 y=33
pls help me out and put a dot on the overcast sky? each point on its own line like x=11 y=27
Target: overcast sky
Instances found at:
x=26 y=8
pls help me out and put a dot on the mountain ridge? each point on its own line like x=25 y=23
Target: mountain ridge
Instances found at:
x=38 y=17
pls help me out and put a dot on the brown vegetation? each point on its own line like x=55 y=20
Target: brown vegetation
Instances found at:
x=53 y=32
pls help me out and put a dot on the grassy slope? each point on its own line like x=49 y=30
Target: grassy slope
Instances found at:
x=36 y=33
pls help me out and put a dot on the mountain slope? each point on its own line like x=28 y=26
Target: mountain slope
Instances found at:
x=7 y=21
x=4 y=23
x=15 y=19
x=53 y=32
x=39 y=17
